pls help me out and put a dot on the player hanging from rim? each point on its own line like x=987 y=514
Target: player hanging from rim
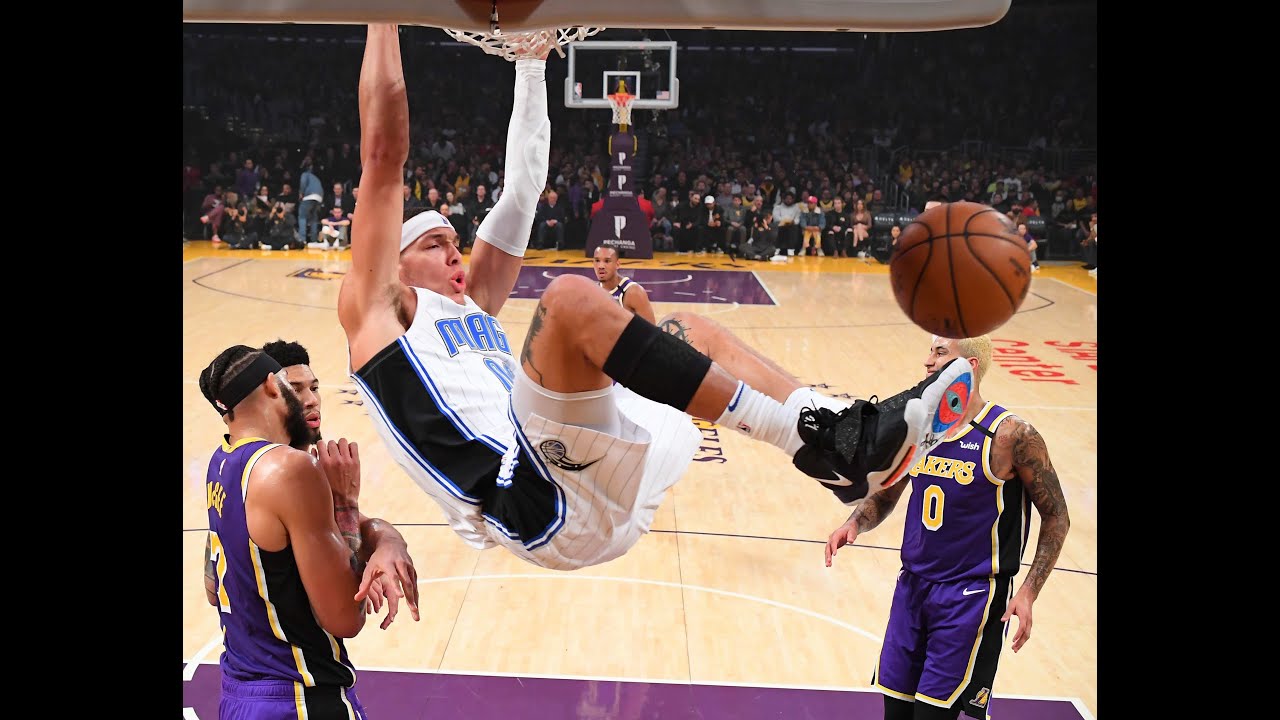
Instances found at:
x=564 y=458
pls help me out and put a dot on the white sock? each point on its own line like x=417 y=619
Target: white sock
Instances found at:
x=762 y=418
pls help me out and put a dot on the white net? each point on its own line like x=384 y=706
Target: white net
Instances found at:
x=514 y=46
x=621 y=108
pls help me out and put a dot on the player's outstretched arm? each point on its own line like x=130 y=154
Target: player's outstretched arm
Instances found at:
x=869 y=514
x=295 y=490
x=384 y=148
x=504 y=234
x=388 y=569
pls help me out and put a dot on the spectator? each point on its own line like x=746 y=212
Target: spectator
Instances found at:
x=838 y=234
x=1090 y=244
x=813 y=222
x=247 y=180
x=684 y=223
x=282 y=229
x=479 y=207
x=212 y=208
x=549 y=220
x=333 y=230
x=309 y=215
x=458 y=217
x=735 y=225
x=787 y=218
x=1032 y=245
x=339 y=198
x=289 y=199
x=412 y=205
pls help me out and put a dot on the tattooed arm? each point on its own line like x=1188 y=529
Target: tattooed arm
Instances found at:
x=385 y=558
x=375 y=533
x=1040 y=480
x=210 y=573
x=313 y=521
x=869 y=514
x=348 y=518
x=876 y=508
x=1031 y=462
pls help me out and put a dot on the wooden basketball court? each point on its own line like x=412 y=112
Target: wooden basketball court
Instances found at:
x=730 y=589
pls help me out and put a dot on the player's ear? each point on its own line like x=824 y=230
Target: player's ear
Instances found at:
x=273 y=389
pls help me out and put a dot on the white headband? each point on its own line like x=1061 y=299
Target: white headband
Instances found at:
x=414 y=227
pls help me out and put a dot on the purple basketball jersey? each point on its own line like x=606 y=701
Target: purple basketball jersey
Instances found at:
x=269 y=631
x=962 y=521
x=624 y=284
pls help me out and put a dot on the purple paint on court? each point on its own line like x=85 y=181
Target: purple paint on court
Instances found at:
x=410 y=696
x=693 y=285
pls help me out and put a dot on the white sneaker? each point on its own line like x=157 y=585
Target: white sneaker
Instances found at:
x=791 y=252
x=318 y=245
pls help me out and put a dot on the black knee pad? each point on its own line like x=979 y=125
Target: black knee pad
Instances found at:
x=656 y=365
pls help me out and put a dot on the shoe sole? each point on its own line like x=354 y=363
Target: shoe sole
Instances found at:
x=929 y=418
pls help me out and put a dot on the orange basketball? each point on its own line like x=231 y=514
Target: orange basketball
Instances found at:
x=960 y=269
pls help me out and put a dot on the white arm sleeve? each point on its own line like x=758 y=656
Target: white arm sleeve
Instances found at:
x=508 y=224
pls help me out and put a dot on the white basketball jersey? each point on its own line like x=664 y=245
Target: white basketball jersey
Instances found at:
x=559 y=496
x=439 y=397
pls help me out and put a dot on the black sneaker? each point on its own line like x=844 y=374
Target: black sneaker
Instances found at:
x=870 y=446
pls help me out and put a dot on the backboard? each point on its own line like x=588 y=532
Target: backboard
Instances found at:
x=647 y=68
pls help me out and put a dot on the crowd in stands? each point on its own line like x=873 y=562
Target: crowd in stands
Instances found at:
x=798 y=149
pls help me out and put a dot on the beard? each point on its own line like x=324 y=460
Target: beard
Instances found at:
x=315 y=435
x=295 y=421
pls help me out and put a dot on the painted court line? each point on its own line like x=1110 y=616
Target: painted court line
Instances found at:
x=1064 y=282
x=190 y=670
x=660 y=583
x=1079 y=704
x=766 y=288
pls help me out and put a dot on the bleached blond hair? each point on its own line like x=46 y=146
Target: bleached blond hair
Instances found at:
x=976 y=347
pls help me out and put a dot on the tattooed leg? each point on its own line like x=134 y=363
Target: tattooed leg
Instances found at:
x=724 y=348
x=570 y=334
x=526 y=357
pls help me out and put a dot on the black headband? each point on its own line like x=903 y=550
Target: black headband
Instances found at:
x=245 y=382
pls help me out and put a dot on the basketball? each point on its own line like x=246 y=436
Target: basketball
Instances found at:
x=960 y=269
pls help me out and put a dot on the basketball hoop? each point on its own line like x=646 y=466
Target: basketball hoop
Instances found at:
x=621 y=103
x=516 y=46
